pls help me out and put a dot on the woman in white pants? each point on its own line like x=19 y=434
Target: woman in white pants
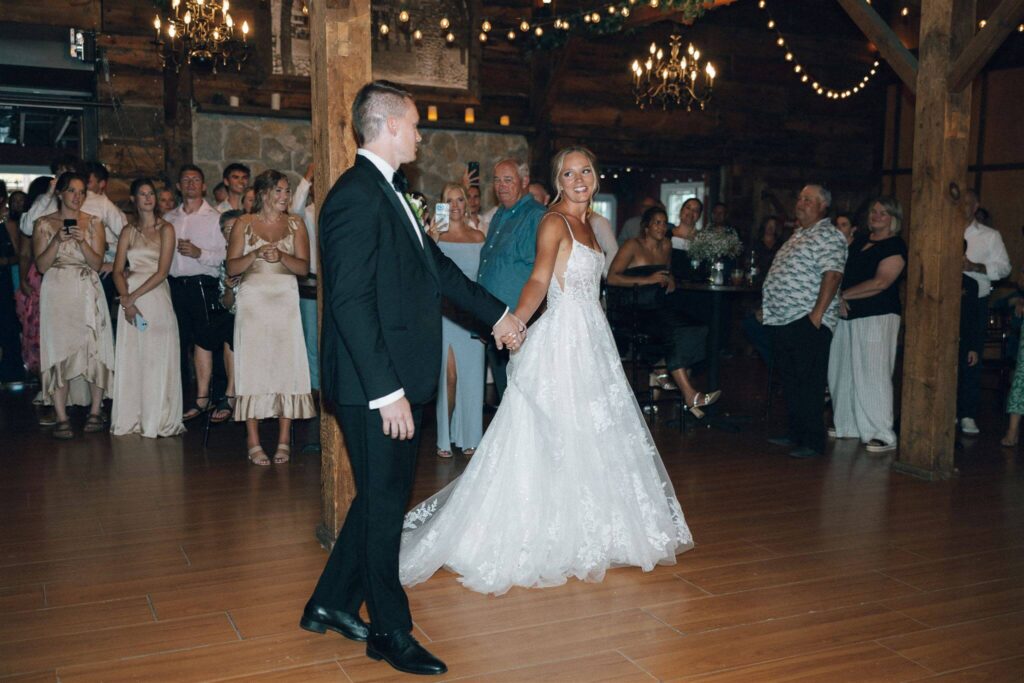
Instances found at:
x=863 y=349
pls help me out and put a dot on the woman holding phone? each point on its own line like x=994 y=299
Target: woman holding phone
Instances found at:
x=460 y=396
x=75 y=340
x=147 y=379
x=646 y=261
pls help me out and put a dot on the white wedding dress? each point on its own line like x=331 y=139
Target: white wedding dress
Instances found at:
x=567 y=480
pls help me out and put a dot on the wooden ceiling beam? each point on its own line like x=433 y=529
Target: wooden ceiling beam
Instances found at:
x=881 y=34
x=999 y=25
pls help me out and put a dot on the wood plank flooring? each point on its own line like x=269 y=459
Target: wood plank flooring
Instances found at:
x=136 y=560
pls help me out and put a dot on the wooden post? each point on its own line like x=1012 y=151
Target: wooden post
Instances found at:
x=942 y=127
x=878 y=31
x=177 y=119
x=340 y=59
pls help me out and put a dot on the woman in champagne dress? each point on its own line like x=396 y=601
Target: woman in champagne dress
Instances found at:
x=147 y=377
x=567 y=481
x=75 y=340
x=269 y=248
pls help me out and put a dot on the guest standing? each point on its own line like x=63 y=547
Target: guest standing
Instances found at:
x=236 y=182
x=506 y=260
x=26 y=299
x=460 y=395
x=863 y=352
x=268 y=248
x=985 y=261
x=11 y=367
x=194 y=281
x=307 y=289
x=75 y=338
x=147 y=376
x=801 y=308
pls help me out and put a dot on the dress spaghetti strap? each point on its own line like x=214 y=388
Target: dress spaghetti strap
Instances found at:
x=565 y=220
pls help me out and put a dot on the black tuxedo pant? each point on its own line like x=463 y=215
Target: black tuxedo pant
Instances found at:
x=363 y=567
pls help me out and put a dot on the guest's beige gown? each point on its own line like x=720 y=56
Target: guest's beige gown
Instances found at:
x=147 y=380
x=271 y=370
x=75 y=340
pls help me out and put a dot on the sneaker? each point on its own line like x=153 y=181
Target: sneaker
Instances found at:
x=969 y=426
x=879 y=446
x=47 y=416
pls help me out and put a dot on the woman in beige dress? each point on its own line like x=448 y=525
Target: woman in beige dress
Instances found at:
x=75 y=339
x=147 y=377
x=269 y=248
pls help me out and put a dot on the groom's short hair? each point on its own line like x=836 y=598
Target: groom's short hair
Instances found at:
x=374 y=103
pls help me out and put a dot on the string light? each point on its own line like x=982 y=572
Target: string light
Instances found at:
x=801 y=71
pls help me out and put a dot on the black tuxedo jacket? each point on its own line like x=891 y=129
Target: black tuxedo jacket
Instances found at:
x=382 y=294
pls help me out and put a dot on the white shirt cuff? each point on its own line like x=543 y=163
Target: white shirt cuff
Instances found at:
x=502 y=317
x=379 y=403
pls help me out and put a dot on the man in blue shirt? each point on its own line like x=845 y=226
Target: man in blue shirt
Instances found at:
x=506 y=260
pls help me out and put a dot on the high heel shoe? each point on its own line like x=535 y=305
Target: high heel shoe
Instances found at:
x=702 y=399
x=662 y=380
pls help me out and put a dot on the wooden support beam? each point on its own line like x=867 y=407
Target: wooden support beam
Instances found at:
x=941 y=136
x=1000 y=24
x=878 y=31
x=340 y=60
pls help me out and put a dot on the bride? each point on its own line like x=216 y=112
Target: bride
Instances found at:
x=567 y=480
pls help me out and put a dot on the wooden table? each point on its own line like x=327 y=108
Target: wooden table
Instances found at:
x=715 y=328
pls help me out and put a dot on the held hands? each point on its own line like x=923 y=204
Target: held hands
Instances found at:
x=397 y=419
x=186 y=248
x=509 y=332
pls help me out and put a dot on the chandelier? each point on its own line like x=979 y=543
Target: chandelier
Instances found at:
x=201 y=30
x=672 y=81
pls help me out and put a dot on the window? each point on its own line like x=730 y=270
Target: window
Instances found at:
x=606 y=205
x=674 y=194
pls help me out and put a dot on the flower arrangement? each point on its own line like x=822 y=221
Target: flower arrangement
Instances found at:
x=715 y=244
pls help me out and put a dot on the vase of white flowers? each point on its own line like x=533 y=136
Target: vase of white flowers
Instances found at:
x=713 y=246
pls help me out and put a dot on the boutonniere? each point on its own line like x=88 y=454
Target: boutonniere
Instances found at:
x=417 y=208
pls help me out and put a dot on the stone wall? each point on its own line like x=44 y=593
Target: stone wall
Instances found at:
x=284 y=144
x=258 y=142
x=444 y=153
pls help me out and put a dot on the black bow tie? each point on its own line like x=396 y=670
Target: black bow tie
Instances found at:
x=400 y=182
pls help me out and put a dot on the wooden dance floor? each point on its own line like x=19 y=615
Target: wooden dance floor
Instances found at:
x=132 y=559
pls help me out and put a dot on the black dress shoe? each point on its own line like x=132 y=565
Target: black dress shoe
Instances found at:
x=320 y=619
x=401 y=651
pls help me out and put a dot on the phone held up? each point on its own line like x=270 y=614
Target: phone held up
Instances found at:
x=442 y=216
x=68 y=224
x=473 y=169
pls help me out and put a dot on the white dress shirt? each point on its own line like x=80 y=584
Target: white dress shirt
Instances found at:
x=308 y=213
x=985 y=246
x=201 y=228
x=602 y=228
x=44 y=204
x=113 y=220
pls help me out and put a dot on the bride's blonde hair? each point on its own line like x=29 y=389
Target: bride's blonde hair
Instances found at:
x=559 y=161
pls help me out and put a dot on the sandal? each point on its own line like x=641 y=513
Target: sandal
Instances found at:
x=196 y=410
x=282 y=454
x=258 y=457
x=468 y=452
x=702 y=399
x=62 y=430
x=224 y=410
x=443 y=453
x=94 y=423
x=662 y=381
x=1008 y=442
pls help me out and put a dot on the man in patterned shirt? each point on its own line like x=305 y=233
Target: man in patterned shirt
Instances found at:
x=801 y=309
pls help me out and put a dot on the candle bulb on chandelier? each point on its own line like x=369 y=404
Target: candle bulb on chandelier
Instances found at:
x=156 y=25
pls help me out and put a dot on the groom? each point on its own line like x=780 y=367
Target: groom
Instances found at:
x=383 y=280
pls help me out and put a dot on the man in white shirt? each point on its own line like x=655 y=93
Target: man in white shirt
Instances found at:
x=47 y=203
x=631 y=228
x=98 y=204
x=985 y=261
x=307 y=287
x=194 y=278
x=236 y=180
